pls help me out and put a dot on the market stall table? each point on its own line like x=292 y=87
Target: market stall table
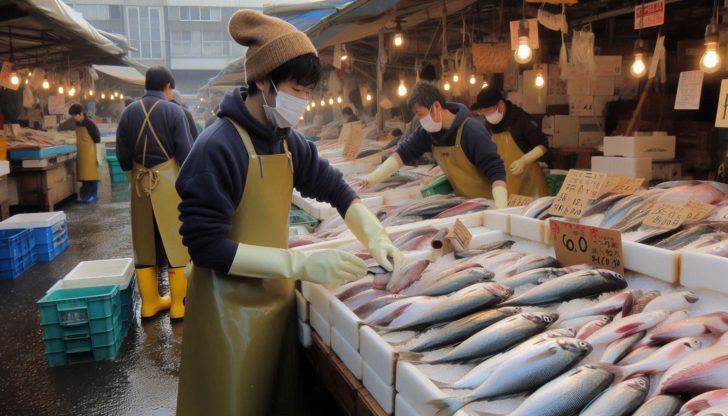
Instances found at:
x=44 y=182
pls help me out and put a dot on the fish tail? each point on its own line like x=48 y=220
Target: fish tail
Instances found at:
x=448 y=406
x=410 y=356
x=619 y=372
x=441 y=384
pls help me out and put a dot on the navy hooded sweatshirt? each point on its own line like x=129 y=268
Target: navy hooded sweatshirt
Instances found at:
x=212 y=180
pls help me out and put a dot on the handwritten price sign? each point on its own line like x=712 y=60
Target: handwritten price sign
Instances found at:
x=582 y=244
x=579 y=187
x=667 y=215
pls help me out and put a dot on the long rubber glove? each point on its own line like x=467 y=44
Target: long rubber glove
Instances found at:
x=383 y=172
x=367 y=229
x=317 y=266
x=500 y=197
x=519 y=166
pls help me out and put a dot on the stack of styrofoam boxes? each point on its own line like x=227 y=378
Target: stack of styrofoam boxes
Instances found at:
x=50 y=230
x=589 y=94
x=573 y=131
x=633 y=155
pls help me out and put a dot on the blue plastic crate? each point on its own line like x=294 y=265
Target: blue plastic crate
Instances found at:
x=50 y=254
x=46 y=236
x=102 y=353
x=95 y=306
x=14 y=267
x=16 y=243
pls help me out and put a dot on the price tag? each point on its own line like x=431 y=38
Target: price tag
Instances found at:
x=579 y=187
x=698 y=211
x=667 y=215
x=353 y=141
x=581 y=244
x=460 y=235
x=620 y=185
x=515 y=200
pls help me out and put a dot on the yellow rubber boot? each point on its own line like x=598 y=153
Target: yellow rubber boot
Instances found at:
x=178 y=290
x=148 y=283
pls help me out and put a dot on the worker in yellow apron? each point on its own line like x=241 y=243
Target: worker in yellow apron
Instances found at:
x=87 y=166
x=461 y=145
x=521 y=143
x=239 y=347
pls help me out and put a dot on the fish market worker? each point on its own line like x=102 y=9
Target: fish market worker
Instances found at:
x=87 y=166
x=520 y=142
x=461 y=145
x=238 y=351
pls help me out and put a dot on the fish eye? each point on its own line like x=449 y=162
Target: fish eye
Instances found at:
x=583 y=344
x=547 y=318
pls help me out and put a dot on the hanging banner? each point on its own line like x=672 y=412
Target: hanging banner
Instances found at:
x=649 y=15
x=688 y=90
x=721 y=116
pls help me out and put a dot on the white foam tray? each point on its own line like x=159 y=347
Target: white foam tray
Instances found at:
x=348 y=354
x=33 y=220
x=346 y=323
x=382 y=391
x=652 y=261
x=301 y=307
x=320 y=325
x=378 y=354
x=304 y=334
x=100 y=272
x=704 y=271
x=4 y=167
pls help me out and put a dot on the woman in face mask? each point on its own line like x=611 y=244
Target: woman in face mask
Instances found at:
x=520 y=142
x=239 y=349
x=461 y=145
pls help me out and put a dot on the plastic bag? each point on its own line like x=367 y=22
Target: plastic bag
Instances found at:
x=582 y=51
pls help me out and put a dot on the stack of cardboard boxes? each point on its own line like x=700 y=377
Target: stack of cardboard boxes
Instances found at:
x=634 y=156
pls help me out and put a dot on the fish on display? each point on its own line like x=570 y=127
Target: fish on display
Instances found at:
x=415 y=240
x=473 y=205
x=707 y=240
x=522 y=372
x=570 y=286
x=410 y=274
x=719 y=249
x=475 y=251
x=661 y=405
x=618 y=349
x=456 y=282
x=618 y=302
x=602 y=204
x=362 y=299
x=638 y=354
x=619 y=400
x=719 y=410
x=579 y=321
x=566 y=394
x=699 y=372
x=592 y=326
x=350 y=289
x=458 y=330
x=540 y=275
x=627 y=326
x=713 y=323
x=628 y=207
x=428 y=209
x=538 y=207
x=672 y=302
x=499 y=337
x=685 y=237
x=664 y=357
x=524 y=264
x=673 y=317
x=704 y=401
x=641 y=301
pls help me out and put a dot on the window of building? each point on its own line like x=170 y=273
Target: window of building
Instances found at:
x=144 y=27
x=205 y=14
x=93 y=11
x=215 y=44
x=115 y=12
x=184 y=44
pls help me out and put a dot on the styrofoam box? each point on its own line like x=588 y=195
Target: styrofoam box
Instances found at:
x=304 y=334
x=704 y=271
x=4 y=167
x=652 y=261
x=34 y=220
x=499 y=219
x=382 y=392
x=301 y=307
x=100 y=272
x=529 y=228
x=566 y=131
x=321 y=298
x=348 y=355
x=345 y=322
x=416 y=389
x=635 y=167
x=402 y=407
x=377 y=354
x=653 y=147
x=320 y=325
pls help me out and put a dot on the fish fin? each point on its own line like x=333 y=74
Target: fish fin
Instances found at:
x=681 y=376
x=447 y=406
x=627 y=305
x=409 y=356
x=625 y=329
x=442 y=384
x=614 y=369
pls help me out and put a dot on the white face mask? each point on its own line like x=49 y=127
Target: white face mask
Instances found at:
x=288 y=109
x=430 y=125
x=494 y=118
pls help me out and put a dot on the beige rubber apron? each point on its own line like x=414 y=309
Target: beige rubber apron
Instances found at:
x=464 y=177
x=87 y=168
x=532 y=182
x=239 y=347
x=154 y=197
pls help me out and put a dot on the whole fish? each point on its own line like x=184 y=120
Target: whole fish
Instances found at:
x=413 y=235
x=526 y=371
x=626 y=207
x=684 y=237
x=410 y=274
x=717 y=410
x=704 y=401
x=499 y=337
x=674 y=317
x=592 y=326
x=633 y=218
x=537 y=207
x=619 y=400
x=350 y=289
x=617 y=302
x=638 y=354
x=566 y=394
x=706 y=241
x=672 y=302
x=504 y=244
x=580 y=321
x=641 y=302
x=573 y=285
x=701 y=192
x=441 y=308
x=456 y=282
x=661 y=405
x=482 y=371
x=459 y=330
x=713 y=323
x=540 y=275
x=602 y=204
x=473 y=205
x=699 y=372
x=616 y=350
x=494 y=261
x=428 y=209
x=664 y=357
x=358 y=302
x=719 y=249
x=627 y=326
x=524 y=264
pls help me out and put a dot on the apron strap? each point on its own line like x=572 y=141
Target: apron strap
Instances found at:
x=459 y=134
x=248 y=143
x=151 y=175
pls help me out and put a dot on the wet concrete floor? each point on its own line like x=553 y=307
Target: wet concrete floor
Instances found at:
x=143 y=378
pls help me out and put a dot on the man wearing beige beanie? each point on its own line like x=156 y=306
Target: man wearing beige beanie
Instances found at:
x=239 y=347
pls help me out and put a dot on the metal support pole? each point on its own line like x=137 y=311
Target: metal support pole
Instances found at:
x=381 y=58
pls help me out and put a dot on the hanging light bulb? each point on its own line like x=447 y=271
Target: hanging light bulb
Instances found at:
x=72 y=90
x=344 y=54
x=46 y=85
x=116 y=93
x=323 y=103
x=472 y=79
x=402 y=89
x=301 y=118
x=313 y=104
x=446 y=85
x=103 y=96
x=638 y=68
x=398 y=39
x=91 y=93
x=539 y=81
x=61 y=90
x=14 y=78
x=121 y=96
x=331 y=100
x=27 y=80
x=369 y=97
x=523 y=51
x=338 y=99
x=308 y=107
x=456 y=78
x=710 y=61
x=485 y=85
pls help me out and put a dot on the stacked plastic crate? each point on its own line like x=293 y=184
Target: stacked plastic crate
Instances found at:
x=86 y=315
x=49 y=232
x=16 y=252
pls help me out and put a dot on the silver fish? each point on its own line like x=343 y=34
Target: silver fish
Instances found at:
x=699 y=372
x=621 y=208
x=685 y=237
x=664 y=357
x=704 y=401
x=524 y=264
x=538 y=206
x=504 y=244
x=352 y=288
x=455 y=282
x=526 y=371
x=638 y=354
x=602 y=204
x=616 y=350
x=627 y=326
x=592 y=326
x=499 y=337
x=617 y=302
x=662 y=405
x=540 y=275
x=620 y=400
x=573 y=285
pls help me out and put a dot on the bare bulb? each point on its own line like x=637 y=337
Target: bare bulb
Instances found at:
x=46 y=85
x=308 y=107
x=103 y=96
x=61 y=90
x=121 y=96
x=638 y=68
x=456 y=78
x=301 y=118
x=485 y=85
x=472 y=80
x=539 y=82
x=331 y=101
x=313 y=104
x=446 y=86
x=369 y=97
x=398 y=40
x=91 y=93
x=344 y=57
x=523 y=52
x=710 y=62
x=15 y=79
x=72 y=91
x=323 y=103
x=402 y=89
x=338 y=99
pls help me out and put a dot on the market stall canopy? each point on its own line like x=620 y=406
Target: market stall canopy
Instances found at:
x=123 y=73
x=50 y=33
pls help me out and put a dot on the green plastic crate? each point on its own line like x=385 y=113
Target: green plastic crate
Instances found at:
x=91 y=306
x=117 y=175
x=554 y=182
x=102 y=353
x=74 y=341
x=440 y=186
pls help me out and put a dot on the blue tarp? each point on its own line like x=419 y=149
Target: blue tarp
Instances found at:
x=306 y=19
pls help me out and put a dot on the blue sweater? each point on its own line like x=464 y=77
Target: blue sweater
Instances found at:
x=212 y=180
x=477 y=145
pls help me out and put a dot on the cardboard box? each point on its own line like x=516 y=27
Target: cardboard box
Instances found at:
x=601 y=101
x=635 y=167
x=607 y=65
x=591 y=131
x=654 y=147
x=555 y=85
x=581 y=105
x=602 y=85
x=566 y=131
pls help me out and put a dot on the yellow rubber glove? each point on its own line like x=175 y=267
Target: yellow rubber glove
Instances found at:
x=519 y=166
x=383 y=172
x=500 y=197
x=316 y=266
x=367 y=229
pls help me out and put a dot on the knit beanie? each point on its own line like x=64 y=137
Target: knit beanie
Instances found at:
x=271 y=42
x=487 y=97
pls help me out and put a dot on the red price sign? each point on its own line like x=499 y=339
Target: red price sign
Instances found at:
x=581 y=244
